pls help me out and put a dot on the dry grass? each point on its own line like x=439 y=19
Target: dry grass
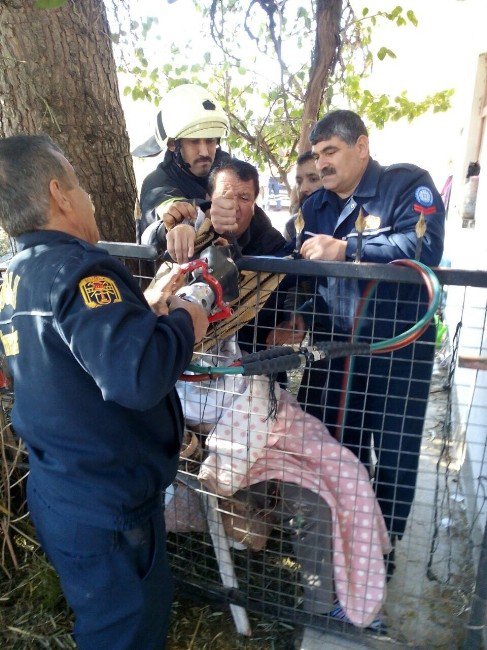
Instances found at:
x=33 y=614
x=205 y=628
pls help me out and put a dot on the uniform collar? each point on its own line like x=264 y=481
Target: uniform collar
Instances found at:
x=366 y=188
x=36 y=237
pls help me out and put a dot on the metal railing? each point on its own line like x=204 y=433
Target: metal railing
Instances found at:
x=436 y=595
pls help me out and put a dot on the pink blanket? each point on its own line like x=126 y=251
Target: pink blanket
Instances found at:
x=246 y=448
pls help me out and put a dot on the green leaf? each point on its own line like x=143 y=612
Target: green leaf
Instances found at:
x=50 y=4
x=412 y=17
x=385 y=51
x=395 y=12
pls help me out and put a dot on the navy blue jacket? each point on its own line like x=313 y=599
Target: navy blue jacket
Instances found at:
x=94 y=371
x=391 y=199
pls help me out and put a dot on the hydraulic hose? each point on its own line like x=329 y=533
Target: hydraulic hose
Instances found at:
x=281 y=358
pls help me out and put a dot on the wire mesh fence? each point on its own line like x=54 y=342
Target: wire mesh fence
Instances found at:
x=344 y=490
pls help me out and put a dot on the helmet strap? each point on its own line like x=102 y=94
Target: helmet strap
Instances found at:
x=179 y=158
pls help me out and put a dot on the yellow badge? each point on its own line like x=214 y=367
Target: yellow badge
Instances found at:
x=98 y=291
x=371 y=222
x=8 y=292
x=10 y=343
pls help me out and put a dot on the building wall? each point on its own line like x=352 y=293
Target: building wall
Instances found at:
x=467 y=248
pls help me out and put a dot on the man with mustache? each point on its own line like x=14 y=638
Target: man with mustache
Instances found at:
x=384 y=403
x=190 y=124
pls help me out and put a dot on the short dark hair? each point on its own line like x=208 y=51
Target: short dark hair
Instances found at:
x=305 y=157
x=27 y=165
x=242 y=170
x=346 y=125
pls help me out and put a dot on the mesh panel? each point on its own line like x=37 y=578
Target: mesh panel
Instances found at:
x=364 y=498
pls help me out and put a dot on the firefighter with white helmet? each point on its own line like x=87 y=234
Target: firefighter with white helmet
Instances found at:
x=189 y=125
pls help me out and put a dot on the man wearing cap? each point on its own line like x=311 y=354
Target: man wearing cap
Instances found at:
x=190 y=124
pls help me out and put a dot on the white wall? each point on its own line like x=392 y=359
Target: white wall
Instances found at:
x=467 y=248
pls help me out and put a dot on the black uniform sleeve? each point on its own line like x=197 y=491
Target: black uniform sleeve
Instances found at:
x=156 y=189
x=134 y=357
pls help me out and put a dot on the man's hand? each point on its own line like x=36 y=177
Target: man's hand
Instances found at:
x=223 y=212
x=158 y=294
x=176 y=213
x=197 y=313
x=289 y=332
x=180 y=242
x=324 y=247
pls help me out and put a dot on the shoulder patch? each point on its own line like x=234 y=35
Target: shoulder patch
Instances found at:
x=372 y=222
x=424 y=196
x=98 y=290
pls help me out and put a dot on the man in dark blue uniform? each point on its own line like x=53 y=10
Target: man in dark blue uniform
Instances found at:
x=385 y=396
x=94 y=366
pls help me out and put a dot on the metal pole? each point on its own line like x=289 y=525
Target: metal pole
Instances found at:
x=476 y=624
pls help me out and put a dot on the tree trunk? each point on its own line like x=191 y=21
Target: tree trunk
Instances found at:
x=325 y=55
x=58 y=76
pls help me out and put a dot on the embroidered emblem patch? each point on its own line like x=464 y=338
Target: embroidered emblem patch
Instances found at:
x=8 y=292
x=372 y=222
x=424 y=196
x=97 y=291
x=10 y=343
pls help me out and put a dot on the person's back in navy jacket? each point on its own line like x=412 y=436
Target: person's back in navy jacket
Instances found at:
x=94 y=369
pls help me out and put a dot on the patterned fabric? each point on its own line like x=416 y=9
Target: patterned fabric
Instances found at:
x=247 y=448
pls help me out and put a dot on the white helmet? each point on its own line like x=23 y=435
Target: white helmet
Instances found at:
x=187 y=111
